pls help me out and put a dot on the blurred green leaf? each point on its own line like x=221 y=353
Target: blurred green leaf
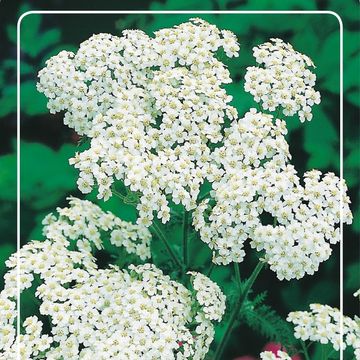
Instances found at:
x=32 y=102
x=11 y=33
x=356 y=220
x=5 y=251
x=328 y=66
x=321 y=141
x=352 y=277
x=30 y=27
x=8 y=177
x=46 y=176
x=33 y=41
x=8 y=100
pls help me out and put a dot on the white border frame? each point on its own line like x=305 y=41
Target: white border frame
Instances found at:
x=190 y=12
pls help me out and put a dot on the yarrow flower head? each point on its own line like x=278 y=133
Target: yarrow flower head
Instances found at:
x=209 y=296
x=322 y=324
x=87 y=223
x=253 y=148
x=151 y=107
x=282 y=80
x=105 y=313
x=255 y=183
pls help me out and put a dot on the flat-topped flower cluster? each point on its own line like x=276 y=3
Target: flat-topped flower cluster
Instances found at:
x=160 y=124
x=323 y=324
x=282 y=81
x=104 y=313
x=256 y=182
x=160 y=121
x=87 y=223
x=149 y=105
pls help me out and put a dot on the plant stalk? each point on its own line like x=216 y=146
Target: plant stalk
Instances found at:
x=237 y=273
x=306 y=354
x=162 y=237
x=248 y=285
x=210 y=269
x=185 y=239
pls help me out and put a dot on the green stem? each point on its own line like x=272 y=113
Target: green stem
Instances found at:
x=237 y=273
x=248 y=285
x=185 y=238
x=210 y=269
x=306 y=354
x=162 y=237
x=116 y=193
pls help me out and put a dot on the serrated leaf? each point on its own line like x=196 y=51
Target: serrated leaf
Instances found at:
x=264 y=320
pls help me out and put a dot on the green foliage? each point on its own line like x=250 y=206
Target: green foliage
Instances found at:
x=266 y=321
x=46 y=176
x=37 y=45
x=8 y=177
x=5 y=251
x=352 y=276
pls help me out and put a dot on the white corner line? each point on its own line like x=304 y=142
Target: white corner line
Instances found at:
x=146 y=12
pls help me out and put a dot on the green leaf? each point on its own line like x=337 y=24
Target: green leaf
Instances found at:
x=328 y=66
x=8 y=100
x=352 y=278
x=8 y=177
x=46 y=176
x=353 y=96
x=356 y=221
x=32 y=102
x=5 y=251
x=264 y=320
x=30 y=27
x=321 y=141
x=11 y=33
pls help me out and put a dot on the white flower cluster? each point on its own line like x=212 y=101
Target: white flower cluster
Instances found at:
x=151 y=107
x=282 y=81
x=257 y=182
x=308 y=217
x=155 y=110
x=322 y=324
x=209 y=296
x=253 y=149
x=86 y=222
x=30 y=344
x=269 y=355
x=138 y=313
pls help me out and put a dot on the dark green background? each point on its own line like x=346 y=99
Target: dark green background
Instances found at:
x=46 y=177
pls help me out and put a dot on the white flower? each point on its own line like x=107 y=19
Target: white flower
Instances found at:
x=209 y=296
x=269 y=355
x=282 y=80
x=254 y=183
x=85 y=221
x=103 y=313
x=151 y=107
x=322 y=324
